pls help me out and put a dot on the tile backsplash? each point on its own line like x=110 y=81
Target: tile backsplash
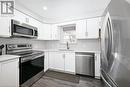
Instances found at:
x=81 y=45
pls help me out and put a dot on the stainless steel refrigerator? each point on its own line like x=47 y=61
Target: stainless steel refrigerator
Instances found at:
x=115 y=44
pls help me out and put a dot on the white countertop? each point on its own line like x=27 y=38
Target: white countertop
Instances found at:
x=55 y=50
x=87 y=51
x=8 y=57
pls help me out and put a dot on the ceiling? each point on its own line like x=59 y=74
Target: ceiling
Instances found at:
x=64 y=9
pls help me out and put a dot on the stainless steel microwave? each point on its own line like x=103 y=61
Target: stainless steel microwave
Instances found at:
x=23 y=30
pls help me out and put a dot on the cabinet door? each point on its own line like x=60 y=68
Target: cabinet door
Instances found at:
x=9 y=73
x=47 y=31
x=81 y=29
x=56 y=60
x=59 y=61
x=97 y=65
x=51 y=60
x=44 y=32
x=93 y=27
x=5 y=26
x=55 y=32
x=46 y=62
x=41 y=35
x=70 y=62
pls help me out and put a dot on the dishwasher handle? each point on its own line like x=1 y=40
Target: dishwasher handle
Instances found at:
x=83 y=55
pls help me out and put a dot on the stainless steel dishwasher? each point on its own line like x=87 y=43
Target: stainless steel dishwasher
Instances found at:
x=85 y=63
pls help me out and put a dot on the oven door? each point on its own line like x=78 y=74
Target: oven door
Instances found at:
x=31 y=68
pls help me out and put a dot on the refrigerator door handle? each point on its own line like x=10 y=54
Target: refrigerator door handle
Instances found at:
x=105 y=80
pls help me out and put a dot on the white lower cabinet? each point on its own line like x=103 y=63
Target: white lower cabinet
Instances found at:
x=56 y=61
x=70 y=62
x=97 y=65
x=51 y=56
x=46 y=62
x=59 y=61
x=9 y=73
x=63 y=61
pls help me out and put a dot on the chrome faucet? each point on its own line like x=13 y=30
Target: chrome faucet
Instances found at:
x=67 y=44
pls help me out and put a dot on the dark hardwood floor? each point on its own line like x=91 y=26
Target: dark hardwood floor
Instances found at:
x=46 y=81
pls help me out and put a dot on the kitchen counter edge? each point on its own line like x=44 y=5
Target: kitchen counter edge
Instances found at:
x=8 y=57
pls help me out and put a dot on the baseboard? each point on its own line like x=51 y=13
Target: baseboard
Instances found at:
x=97 y=77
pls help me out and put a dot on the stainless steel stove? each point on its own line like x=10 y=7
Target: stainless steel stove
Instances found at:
x=31 y=62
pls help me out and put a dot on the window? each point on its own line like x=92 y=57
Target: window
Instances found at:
x=68 y=33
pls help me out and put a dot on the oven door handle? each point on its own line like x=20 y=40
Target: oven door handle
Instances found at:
x=25 y=60
x=37 y=56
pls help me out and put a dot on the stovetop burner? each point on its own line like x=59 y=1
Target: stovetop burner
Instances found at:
x=25 y=51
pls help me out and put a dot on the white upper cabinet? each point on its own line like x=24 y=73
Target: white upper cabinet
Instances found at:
x=5 y=27
x=93 y=26
x=81 y=30
x=55 y=32
x=88 y=28
x=40 y=31
x=46 y=32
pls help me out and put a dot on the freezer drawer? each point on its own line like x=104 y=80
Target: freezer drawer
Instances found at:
x=85 y=64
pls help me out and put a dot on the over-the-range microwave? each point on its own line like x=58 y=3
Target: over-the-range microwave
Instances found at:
x=23 y=30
